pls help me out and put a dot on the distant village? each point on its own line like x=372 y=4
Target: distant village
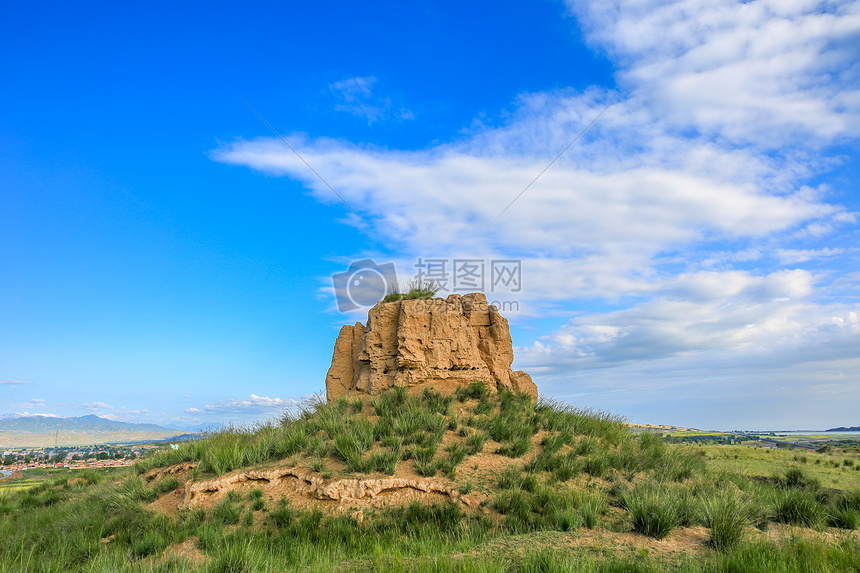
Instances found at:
x=72 y=457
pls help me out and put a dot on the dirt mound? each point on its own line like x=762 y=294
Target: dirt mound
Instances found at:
x=185 y=551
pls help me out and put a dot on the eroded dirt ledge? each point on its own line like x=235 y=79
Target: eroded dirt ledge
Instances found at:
x=295 y=482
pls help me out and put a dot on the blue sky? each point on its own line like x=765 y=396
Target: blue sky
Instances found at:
x=691 y=260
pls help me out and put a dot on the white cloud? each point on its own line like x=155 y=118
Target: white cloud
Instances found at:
x=754 y=72
x=356 y=95
x=354 y=88
x=36 y=403
x=753 y=319
x=725 y=349
x=115 y=413
x=613 y=204
x=582 y=232
x=12 y=382
x=128 y=416
x=26 y=414
x=254 y=405
x=96 y=406
x=795 y=256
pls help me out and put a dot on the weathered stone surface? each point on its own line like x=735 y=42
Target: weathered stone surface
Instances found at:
x=440 y=343
x=305 y=482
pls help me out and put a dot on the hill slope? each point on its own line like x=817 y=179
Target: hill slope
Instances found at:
x=475 y=482
x=35 y=431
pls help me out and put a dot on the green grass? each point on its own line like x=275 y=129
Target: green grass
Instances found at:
x=475 y=442
x=167 y=483
x=653 y=510
x=226 y=512
x=727 y=517
x=415 y=289
x=798 y=507
x=19 y=484
x=844 y=518
x=474 y=391
x=426 y=463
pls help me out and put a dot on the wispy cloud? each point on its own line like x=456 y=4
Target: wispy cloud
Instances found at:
x=795 y=256
x=96 y=406
x=125 y=415
x=354 y=89
x=357 y=98
x=12 y=382
x=254 y=405
x=115 y=413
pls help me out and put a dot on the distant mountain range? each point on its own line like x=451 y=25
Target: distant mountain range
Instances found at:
x=844 y=429
x=36 y=431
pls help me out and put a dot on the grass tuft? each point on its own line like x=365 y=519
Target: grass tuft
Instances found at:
x=415 y=289
x=226 y=512
x=798 y=507
x=475 y=442
x=652 y=510
x=844 y=518
x=475 y=391
x=727 y=517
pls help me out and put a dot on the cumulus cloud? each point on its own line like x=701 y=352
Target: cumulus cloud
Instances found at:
x=755 y=72
x=724 y=349
x=756 y=319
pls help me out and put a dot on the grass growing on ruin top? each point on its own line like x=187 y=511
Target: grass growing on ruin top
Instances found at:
x=415 y=289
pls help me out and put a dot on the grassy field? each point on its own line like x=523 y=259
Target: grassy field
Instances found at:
x=38 y=476
x=840 y=471
x=14 y=485
x=699 y=434
x=530 y=487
